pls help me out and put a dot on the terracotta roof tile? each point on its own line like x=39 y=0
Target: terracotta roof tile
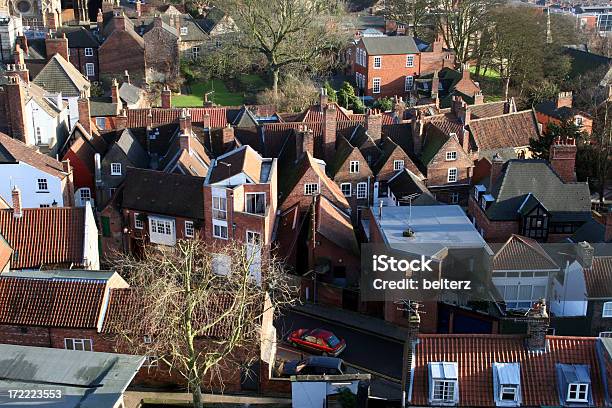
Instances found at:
x=598 y=277
x=522 y=253
x=15 y=150
x=511 y=130
x=162 y=116
x=44 y=236
x=336 y=226
x=487 y=110
x=475 y=355
x=51 y=303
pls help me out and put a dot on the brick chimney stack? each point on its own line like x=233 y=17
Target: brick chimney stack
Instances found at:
x=57 y=45
x=185 y=141
x=20 y=66
x=84 y=112
x=537 y=326
x=185 y=121
x=16 y=111
x=138 y=7
x=497 y=164
x=465 y=71
x=417 y=131
x=52 y=20
x=304 y=142
x=114 y=91
x=323 y=98
x=329 y=130
x=121 y=120
x=435 y=85
x=206 y=121
x=564 y=99
x=166 y=97
x=118 y=20
x=100 y=19
x=227 y=135
x=562 y=158
x=126 y=77
x=399 y=108
x=16 y=197
x=374 y=123
x=438 y=44
x=478 y=98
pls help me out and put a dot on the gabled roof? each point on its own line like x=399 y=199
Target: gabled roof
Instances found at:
x=162 y=116
x=476 y=353
x=79 y=37
x=343 y=151
x=162 y=193
x=591 y=231
x=135 y=153
x=598 y=278
x=51 y=302
x=510 y=130
x=489 y=109
x=390 y=45
x=60 y=75
x=522 y=253
x=13 y=150
x=519 y=178
x=336 y=226
x=45 y=236
x=212 y=18
x=130 y=93
x=242 y=160
x=43 y=99
x=549 y=108
x=388 y=148
x=406 y=183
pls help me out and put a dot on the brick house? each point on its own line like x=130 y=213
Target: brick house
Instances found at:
x=532 y=198
x=50 y=237
x=83 y=50
x=388 y=66
x=161 y=46
x=561 y=110
x=122 y=50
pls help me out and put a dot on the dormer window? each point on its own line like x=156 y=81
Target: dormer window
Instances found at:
x=478 y=190
x=577 y=392
x=508 y=394
x=183 y=30
x=443 y=381
x=506 y=384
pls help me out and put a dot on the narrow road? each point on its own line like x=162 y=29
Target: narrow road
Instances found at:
x=364 y=350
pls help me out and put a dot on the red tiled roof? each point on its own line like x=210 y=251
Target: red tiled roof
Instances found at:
x=511 y=130
x=598 y=277
x=44 y=236
x=487 y=110
x=336 y=226
x=26 y=154
x=522 y=253
x=447 y=124
x=162 y=116
x=51 y=303
x=475 y=355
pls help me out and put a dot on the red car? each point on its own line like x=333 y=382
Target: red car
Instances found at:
x=317 y=340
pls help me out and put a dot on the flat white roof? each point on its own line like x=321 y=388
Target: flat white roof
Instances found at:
x=442 y=226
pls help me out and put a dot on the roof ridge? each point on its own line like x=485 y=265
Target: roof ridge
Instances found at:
x=500 y=116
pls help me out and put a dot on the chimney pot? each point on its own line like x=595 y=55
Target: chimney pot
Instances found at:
x=16 y=196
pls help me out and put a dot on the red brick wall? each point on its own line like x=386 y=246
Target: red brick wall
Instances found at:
x=392 y=74
x=437 y=169
x=305 y=201
x=338 y=257
x=364 y=175
x=82 y=177
x=494 y=231
x=79 y=59
x=121 y=52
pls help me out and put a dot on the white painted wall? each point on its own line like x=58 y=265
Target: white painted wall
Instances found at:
x=25 y=177
x=91 y=251
x=569 y=298
x=73 y=109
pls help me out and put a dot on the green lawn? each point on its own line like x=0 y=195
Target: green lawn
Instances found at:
x=221 y=95
x=491 y=73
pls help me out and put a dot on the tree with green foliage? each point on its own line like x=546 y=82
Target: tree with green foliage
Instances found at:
x=347 y=98
x=331 y=92
x=540 y=148
x=384 y=104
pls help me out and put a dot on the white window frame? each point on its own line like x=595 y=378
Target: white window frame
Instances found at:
x=184 y=30
x=451 y=156
x=161 y=227
x=362 y=190
x=195 y=52
x=577 y=391
x=151 y=361
x=75 y=341
x=441 y=397
x=350 y=189
x=138 y=224
x=377 y=62
x=508 y=389
x=115 y=169
x=409 y=61
x=189 y=229
x=376 y=85
x=101 y=123
x=408 y=83
x=311 y=188
x=452 y=175
x=84 y=197
x=398 y=165
x=218 y=212
x=89 y=52
x=246 y=200
x=90 y=69
x=578 y=120
x=42 y=184
x=606 y=310
x=354 y=166
x=217 y=231
x=147 y=339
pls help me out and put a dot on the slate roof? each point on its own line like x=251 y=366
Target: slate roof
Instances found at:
x=44 y=236
x=162 y=193
x=598 y=278
x=476 y=353
x=13 y=150
x=549 y=108
x=103 y=106
x=591 y=231
x=390 y=45
x=135 y=153
x=343 y=151
x=519 y=178
x=212 y=18
x=129 y=93
x=79 y=37
x=406 y=183
x=511 y=130
x=522 y=253
x=73 y=303
x=60 y=75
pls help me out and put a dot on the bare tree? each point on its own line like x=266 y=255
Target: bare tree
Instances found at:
x=288 y=32
x=413 y=12
x=205 y=307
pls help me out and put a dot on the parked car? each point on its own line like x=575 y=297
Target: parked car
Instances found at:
x=313 y=365
x=317 y=340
